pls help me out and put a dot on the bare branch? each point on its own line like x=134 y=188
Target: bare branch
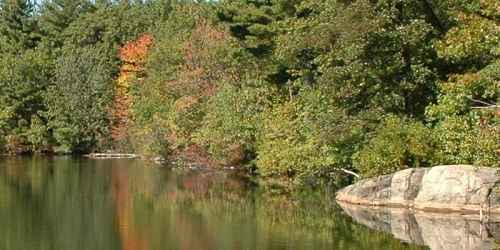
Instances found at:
x=487 y=107
x=483 y=102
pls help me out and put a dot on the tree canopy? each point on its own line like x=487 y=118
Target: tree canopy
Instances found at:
x=286 y=89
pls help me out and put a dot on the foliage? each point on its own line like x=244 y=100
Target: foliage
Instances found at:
x=133 y=56
x=153 y=102
x=57 y=15
x=18 y=25
x=23 y=80
x=466 y=119
x=463 y=140
x=79 y=99
x=187 y=63
x=474 y=39
x=33 y=39
x=231 y=122
x=397 y=144
x=307 y=138
x=134 y=52
x=301 y=89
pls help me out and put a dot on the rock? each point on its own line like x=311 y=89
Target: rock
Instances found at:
x=405 y=185
x=443 y=188
x=159 y=160
x=436 y=230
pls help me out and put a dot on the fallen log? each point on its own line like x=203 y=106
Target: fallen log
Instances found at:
x=111 y=156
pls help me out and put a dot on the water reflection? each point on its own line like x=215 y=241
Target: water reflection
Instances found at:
x=73 y=204
x=438 y=231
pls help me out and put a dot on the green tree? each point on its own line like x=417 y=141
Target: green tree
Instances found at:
x=254 y=24
x=232 y=121
x=57 y=15
x=18 y=25
x=465 y=117
x=24 y=79
x=373 y=55
x=78 y=100
x=308 y=138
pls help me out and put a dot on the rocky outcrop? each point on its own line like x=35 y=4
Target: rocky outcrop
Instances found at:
x=438 y=231
x=462 y=188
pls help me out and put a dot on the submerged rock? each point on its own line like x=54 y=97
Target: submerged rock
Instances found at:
x=442 y=188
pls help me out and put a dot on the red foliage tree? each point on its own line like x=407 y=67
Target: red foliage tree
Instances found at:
x=133 y=56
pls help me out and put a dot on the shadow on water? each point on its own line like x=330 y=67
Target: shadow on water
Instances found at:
x=69 y=203
x=438 y=231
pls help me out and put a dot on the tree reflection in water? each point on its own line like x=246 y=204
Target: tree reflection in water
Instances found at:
x=72 y=204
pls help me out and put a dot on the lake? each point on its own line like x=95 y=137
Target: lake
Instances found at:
x=66 y=203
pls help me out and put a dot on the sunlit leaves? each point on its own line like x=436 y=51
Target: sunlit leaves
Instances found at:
x=397 y=144
x=474 y=40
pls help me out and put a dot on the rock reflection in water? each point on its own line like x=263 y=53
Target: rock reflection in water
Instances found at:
x=435 y=230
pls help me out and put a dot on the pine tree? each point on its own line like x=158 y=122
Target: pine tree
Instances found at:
x=251 y=22
x=254 y=23
x=18 y=24
x=57 y=15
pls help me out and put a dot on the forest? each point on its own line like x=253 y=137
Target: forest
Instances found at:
x=286 y=89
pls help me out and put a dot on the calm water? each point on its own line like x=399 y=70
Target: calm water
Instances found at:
x=69 y=204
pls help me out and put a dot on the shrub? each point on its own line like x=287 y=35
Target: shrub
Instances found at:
x=38 y=135
x=305 y=138
x=230 y=125
x=397 y=144
x=285 y=147
x=151 y=140
x=462 y=140
x=5 y=116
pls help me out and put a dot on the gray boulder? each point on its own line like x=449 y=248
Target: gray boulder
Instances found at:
x=461 y=188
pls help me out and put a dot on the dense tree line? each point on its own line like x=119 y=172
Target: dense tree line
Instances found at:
x=285 y=88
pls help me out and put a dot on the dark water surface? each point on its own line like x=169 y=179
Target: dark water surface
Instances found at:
x=68 y=203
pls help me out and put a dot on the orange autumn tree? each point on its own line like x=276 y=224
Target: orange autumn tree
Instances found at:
x=197 y=78
x=184 y=72
x=133 y=56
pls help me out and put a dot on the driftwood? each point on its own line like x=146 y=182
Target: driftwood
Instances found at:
x=349 y=172
x=111 y=156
